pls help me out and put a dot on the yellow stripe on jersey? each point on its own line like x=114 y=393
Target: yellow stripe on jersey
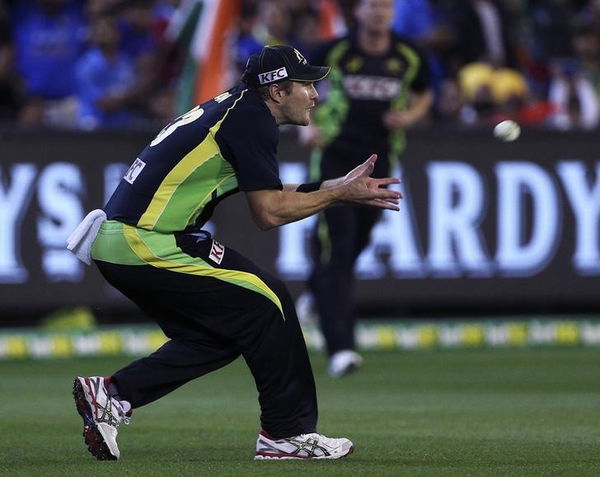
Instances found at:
x=146 y=245
x=198 y=156
x=205 y=151
x=414 y=62
x=217 y=125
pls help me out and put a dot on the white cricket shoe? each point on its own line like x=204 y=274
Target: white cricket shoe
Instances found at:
x=101 y=416
x=344 y=362
x=303 y=446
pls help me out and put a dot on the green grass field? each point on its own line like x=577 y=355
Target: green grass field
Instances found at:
x=485 y=412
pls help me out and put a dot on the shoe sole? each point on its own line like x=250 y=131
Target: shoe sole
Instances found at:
x=292 y=457
x=91 y=435
x=350 y=369
x=353 y=368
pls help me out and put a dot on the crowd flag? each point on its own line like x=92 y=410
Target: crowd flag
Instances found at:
x=205 y=29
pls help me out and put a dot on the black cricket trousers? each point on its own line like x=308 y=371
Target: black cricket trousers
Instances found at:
x=342 y=233
x=210 y=322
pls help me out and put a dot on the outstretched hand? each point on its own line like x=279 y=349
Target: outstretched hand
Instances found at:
x=360 y=188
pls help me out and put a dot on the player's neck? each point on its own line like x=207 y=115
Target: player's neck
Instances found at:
x=374 y=42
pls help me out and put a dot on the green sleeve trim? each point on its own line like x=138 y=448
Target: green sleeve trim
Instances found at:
x=397 y=142
x=330 y=116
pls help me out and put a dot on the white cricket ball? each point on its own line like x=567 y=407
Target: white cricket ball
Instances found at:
x=507 y=130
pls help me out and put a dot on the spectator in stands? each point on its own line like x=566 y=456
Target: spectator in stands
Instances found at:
x=301 y=23
x=422 y=22
x=246 y=44
x=106 y=81
x=492 y=94
x=475 y=80
x=274 y=23
x=314 y=21
x=574 y=98
x=513 y=100
x=549 y=25
x=482 y=32
x=306 y=32
x=138 y=28
x=586 y=43
x=49 y=37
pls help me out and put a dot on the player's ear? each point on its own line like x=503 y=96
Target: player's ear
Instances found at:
x=275 y=92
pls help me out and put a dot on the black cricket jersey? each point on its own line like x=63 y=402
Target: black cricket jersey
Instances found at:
x=361 y=89
x=218 y=148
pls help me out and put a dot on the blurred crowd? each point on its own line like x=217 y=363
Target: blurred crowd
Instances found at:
x=111 y=64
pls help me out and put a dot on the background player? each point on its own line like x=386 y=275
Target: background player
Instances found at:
x=378 y=86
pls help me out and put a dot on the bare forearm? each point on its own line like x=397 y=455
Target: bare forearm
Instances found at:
x=272 y=208
x=290 y=206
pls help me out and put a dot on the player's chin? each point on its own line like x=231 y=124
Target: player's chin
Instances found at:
x=305 y=121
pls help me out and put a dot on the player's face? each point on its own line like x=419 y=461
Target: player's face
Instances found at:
x=375 y=15
x=297 y=104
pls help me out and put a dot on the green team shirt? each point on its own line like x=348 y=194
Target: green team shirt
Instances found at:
x=361 y=88
x=218 y=148
x=223 y=146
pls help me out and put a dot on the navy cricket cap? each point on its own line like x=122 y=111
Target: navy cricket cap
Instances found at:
x=278 y=63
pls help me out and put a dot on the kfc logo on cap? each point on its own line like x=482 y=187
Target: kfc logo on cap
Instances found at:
x=270 y=76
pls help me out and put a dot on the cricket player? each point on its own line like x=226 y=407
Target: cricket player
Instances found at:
x=379 y=85
x=213 y=304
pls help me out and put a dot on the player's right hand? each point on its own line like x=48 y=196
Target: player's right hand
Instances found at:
x=362 y=189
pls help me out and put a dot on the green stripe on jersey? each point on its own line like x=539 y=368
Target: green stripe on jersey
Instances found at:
x=188 y=187
x=200 y=177
x=111 y=246
x=123 y=244
x=161 y=251
x=398 y=137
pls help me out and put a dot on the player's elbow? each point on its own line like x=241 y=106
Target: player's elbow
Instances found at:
x=267 y=220
x=265 y=225
x=266 y=208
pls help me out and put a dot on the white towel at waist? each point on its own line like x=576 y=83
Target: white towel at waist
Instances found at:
x=81 y=239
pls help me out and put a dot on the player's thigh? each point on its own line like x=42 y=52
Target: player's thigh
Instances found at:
x=201 y=288
x=242 y=293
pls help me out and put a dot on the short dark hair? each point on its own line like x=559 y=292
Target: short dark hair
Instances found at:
x=263 y=91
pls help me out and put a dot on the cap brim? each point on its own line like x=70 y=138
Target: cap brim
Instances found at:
x=312 y=73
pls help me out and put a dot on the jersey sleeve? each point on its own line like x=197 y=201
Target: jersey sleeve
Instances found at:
x=422 y=80
x=248 y=139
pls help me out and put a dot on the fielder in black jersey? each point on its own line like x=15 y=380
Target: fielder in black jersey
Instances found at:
x=378 y=85
x=213 y=304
